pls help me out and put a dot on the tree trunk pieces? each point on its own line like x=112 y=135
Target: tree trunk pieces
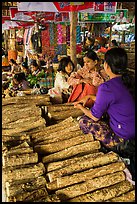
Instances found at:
x=90 y=185
x=80 y=149
x=105 y=193
x=64 y=181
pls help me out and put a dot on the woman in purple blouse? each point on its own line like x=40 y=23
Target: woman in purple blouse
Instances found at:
x=113 y=99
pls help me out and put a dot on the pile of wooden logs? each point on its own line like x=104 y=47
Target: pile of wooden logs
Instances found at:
x=56 y=163
x=76 y=169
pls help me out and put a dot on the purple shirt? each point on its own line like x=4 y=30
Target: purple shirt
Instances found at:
x=114 y=98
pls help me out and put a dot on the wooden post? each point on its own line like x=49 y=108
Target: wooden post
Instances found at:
x=73 y=24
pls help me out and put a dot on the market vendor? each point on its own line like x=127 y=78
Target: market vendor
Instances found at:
x=114 y=99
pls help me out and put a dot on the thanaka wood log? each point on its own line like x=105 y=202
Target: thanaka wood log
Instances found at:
x=104 y=193
x=15 y=137
x=90 y=185
x=83 y=164
x=57 y=134
x=54 y=128
x=20 y=159
x=19 y=149
x=23 y=125
x=61 y=145
x=13 y=115
x=60 y=107
x=35 y=99
x=13 y=189
x=32 y=196
x=65 y=114
x=126 y=197
x=26 y=172
x=21 y=122
x=60 y=164
x=64 y=181
x=80 y=149
x=62 y=137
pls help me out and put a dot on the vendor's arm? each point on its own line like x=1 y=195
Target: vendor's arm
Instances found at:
x=86 y=111
x=85 y=99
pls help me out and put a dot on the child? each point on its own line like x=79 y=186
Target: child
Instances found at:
x=60 y=92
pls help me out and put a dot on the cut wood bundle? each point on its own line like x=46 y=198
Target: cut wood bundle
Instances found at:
x=58 y=138
x=60 y=164
x=65 y=114
x=20 y=149
x=60 y=107
x=90 y=185
x=61 y=145
x=52 y=134
x=64 y=181
x=83 y=164
x=27 y=172
x=55 y=127
x=20 y=159
x=126 y=197
x=15 y=137
x=104 y=193
x=21 y=122
x=16 y=114
x=32 y=196
x=27 y=99
x=49 y=198
x=80 y=149
x=23 y=125
x=13 y=189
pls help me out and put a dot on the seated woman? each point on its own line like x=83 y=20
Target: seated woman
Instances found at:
x=86 y=80
x=60 y=92
x=115 y=99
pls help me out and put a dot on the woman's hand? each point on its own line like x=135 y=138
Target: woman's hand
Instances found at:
x=83 y=100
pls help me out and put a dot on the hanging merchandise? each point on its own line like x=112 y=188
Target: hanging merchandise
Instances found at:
x=78 y=35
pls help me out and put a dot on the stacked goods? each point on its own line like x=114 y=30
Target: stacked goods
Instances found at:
x=18 y=120
x=60 y=112
x=23 y=175
x=33 y=99
x=76 y=170
x=57 y=163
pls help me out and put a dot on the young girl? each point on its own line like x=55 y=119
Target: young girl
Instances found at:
x=114 y=98
x=86 y=80
x=60 y=92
